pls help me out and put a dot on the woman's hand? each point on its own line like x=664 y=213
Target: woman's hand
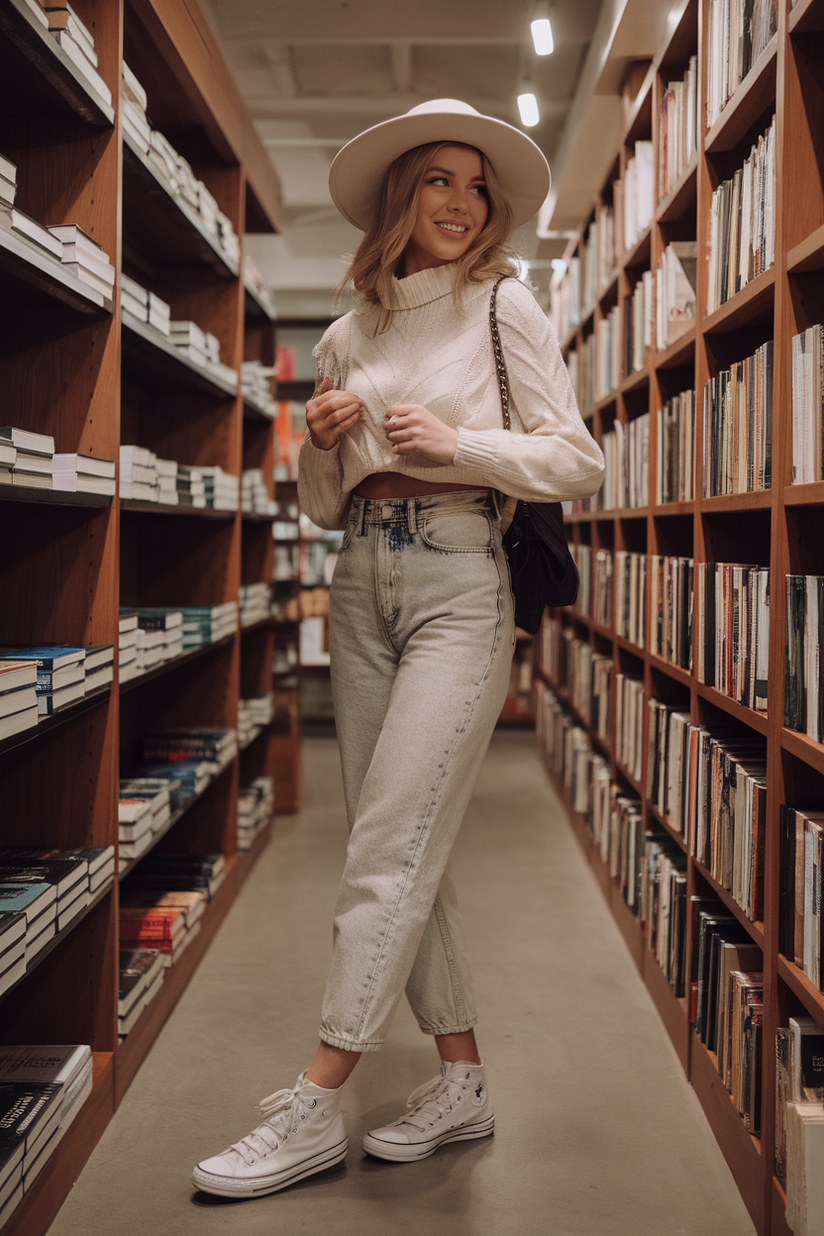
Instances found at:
x=329 y=413
x=410 y=427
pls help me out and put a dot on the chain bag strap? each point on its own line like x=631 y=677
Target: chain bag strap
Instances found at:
x=542 y=569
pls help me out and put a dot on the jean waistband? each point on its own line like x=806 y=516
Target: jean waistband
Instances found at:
x=384 y=512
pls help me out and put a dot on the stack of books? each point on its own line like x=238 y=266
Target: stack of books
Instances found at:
x=729 y=1005
x=631 y=596
x=34 y=460
x=254 y=279
x=18 y=696
x=675 y=449
x=159 y=635
x=80 y=474
x=222 y=489
x=742 y=224
x=730 y=777
x=629 y=724
x=256 y=386
x=803 y=695
x=134 y=102
x=36 y=901
x=138 y=474
x=739 y=30
x=801 y=862
x=127 y=647
x=77 y=42
x=134 y=824
x=171 y=873
x=669 y=765
x=808 y=405
x=42 y=1090
x=162 y=929
x=215 y=745
x=637 y=193
x=84 y=258
x=191 y=490
x=734 y=630
x=253 y=715
x=203 y=348
x=12 y=939
x=639 y=311
x=61 y=673
x=192 y=776
x=28 y=229
x=738 y=426
x=255 y=808
x=66 y=870
x=99 y=665
x=799 y=1125
x=167 y=481
x=677 y=129
x=255 y=603
x=144 y=305
x=671 y=586
x=663 y=906
x=254 y=496
x=206 y=624
x=142 y=972
x=675 y=278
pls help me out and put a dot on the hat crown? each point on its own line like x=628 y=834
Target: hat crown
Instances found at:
x=439 y=106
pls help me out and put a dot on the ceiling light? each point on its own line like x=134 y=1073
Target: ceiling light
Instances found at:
x=528 y=107
x=542 y=36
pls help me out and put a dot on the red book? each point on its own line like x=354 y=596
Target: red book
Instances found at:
x=152 y=923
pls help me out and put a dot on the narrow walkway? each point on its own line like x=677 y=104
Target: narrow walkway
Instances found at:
x=598 y=1133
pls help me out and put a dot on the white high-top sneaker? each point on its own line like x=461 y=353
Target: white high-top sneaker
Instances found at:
x=453 y=1107
x=302 y=1133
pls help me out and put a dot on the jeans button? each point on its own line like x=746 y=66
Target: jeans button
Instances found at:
x=387 y=511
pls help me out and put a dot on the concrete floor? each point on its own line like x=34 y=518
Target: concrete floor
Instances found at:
x=597 y=1134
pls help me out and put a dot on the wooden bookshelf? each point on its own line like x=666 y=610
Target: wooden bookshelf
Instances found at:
x=779 y=527
x=103 y=379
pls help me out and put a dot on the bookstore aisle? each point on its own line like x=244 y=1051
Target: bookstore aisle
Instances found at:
x=598 y=1131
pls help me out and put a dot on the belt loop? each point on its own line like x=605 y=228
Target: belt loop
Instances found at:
x=363 y=503
x=498 y=501
x=412 y=515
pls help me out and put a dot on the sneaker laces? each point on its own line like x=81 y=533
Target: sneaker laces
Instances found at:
x=431 y=1101
x=277 y=1110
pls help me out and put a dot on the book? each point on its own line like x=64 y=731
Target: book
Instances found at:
x=742 y=224
x=27 y=440
x=138 y=970
x=155 y=923
x=78 y=57
x=64 y=874
x=16 y=701
x=29 y=898
x=47 y=657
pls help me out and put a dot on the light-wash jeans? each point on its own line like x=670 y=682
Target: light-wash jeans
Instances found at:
x=421 y=633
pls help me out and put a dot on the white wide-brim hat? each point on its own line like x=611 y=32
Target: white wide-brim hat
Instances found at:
x=358 y=171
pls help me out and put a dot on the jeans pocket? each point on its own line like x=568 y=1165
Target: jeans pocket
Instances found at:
x=458 y=532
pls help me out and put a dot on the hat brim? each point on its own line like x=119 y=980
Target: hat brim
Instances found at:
x=358 y=171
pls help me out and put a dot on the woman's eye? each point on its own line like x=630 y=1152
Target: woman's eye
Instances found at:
x=438 y=180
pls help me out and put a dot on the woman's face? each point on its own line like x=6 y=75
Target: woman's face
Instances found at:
x=452 y=209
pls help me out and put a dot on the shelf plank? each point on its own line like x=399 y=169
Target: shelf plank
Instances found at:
x=46 y=725
x=742 y=1152
x=755 y=298
x=135 y=1047
x=681 y=196
x=69 y=89
x=192 y=242
x=253 y=411
x=149 y=355
x=255 y=308
x=808 y=255
x=28 y=270
x=803 y=748
x=52 y=497
x=755 y=720
x=750 y=100
x=671 y=669
x=804 y=988
x=755 y=930
x=634 y=381
x=138 y=506
x=804 y=495
x=665 y=824
x=680 y=352
x=166 y=667
x=673 y=508
x=757 y=500
x=59 y=937
x=39 y=1207
x=806 y=16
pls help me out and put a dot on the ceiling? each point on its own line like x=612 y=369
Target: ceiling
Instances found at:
x=314 y=73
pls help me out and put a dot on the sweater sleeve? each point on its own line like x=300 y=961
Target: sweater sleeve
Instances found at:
x=321 y=492
x=556 y=458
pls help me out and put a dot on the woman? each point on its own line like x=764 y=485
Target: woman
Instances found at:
x=405 y=449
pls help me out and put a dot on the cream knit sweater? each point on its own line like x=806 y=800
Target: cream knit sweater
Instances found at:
x=443 y=359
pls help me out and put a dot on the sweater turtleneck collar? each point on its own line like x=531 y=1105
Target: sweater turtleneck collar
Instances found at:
x=424 y=287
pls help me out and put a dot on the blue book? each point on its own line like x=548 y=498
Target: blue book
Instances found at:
x=29 y=899
x=48 y=657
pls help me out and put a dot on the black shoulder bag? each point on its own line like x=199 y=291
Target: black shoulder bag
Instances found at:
x=542 y=568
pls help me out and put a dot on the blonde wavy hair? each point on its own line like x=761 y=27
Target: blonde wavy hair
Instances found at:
x=379 y=257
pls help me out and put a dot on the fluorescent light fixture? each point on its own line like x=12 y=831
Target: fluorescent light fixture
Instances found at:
x=542 y=36
x=528 y=107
